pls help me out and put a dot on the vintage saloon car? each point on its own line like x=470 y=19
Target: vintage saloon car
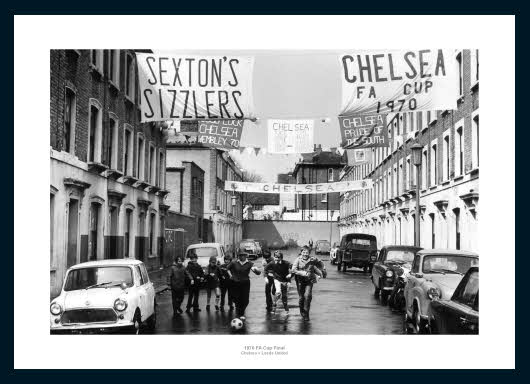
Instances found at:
x=322 y=247
x=458 y=316
x=434 y=275
x=104 y=295
x=393 y=261
x=357 y=250
x=251 y=247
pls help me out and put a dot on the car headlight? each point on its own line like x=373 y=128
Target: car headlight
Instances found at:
x=55 y=309
x=120 y=305
x=434 y=293
x=389 y=273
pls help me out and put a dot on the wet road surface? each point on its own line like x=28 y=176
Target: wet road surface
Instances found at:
x=342 y=304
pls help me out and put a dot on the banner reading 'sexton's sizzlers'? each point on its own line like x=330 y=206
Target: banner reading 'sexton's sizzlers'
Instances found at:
x=195 y=87
x=290 y=136
x=386 y=81
x=363 y=131
x=341 y=186
x=222 y=134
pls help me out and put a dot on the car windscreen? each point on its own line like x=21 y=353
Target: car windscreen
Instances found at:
x=95 y=277
x=247 y=244
x=400 y=255
x=448 y=264
x=202 y=252
x=323 y=243
x=362 y=243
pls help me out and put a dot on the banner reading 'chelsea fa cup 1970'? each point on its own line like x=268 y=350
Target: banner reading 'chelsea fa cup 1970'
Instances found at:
x=390 y=81
x=195 y=87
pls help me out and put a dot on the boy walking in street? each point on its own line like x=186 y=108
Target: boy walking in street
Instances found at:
x=225 y=284
x=281 y=272
x=177 y=282
x=197 y=274
x=306 y=269
x=269 y=283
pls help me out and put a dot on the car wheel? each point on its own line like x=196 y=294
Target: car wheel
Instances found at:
x=416 y=320
x=384 y=297
x=365 y=269
x=151 y=322
x=137 y=322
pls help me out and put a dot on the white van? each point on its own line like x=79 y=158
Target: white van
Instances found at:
x=204 y=251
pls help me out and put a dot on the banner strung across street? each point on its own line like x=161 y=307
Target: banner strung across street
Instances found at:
x=341 y=186
x=290 y=136
x=387 y=81
x=222 y=134
x=195 y=87
x=363 y=131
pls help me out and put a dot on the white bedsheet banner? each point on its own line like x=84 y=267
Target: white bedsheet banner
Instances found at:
x=290 y=136
x=195 y=87
x=341 y=186
x=390 y=81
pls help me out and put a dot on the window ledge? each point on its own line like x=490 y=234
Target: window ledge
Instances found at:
x=460 y=99
x=458 y=178
x=113 y=85
x=446 y=182
x=96 y=167
x=474 y=87
x=433 y=121
x=95 y=70
x=473 y=172
x=424 y=130
x=433 y=188
x=129 y=99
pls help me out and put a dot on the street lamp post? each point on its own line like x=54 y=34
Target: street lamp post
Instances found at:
x=416 y=160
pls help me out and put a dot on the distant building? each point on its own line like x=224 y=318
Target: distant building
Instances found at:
x=107 y=169
x=287 y=200
x=222 y=215
x=318 y=167
x=449 y=185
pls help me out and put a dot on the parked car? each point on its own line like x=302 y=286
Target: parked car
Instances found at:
x=250 y=247
x=357 y=250
x=392 y=262
x=333 y=253
x=104 y=295
x=204 y=251
x=322 y=247
x=434 y=275
x=265 y=250
x=460 y=314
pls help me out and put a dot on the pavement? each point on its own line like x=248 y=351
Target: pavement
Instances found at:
x=159 y=279
x=343 y=303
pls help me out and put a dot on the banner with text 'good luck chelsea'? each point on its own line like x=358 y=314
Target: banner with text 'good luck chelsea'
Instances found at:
x=390 y=81
x=222 y=134
x=195 y=87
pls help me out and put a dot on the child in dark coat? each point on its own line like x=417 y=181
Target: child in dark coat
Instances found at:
x=177 y=282
x=213 y=276
x=224 y=284
x=197 y=274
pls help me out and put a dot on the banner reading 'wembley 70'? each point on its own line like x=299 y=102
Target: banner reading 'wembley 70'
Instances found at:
x=195 y=87
x=341 y=186
x=390 y=81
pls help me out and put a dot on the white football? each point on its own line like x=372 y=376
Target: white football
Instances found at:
x=236 y=324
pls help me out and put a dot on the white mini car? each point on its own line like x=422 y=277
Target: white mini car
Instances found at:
x=104 y=295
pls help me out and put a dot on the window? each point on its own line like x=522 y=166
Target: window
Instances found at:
x=152 y=165
x=52 y=225
x=467 y=294
x=400 y=176
x=459 y=149
x=446 y=159
x=161 y=171
x=409 y=174
x=396 y=182
x=141 y=235
x=69 y=121
x=324 y=198
x=140 y=159
x=474 y=67
x=434 y=173
x=145 y=275
x=460 y=63
x=475 y=141
x=433 y=116
x=114 y=66
x=128 y=151
x=456 y=211
x=330 y=174
x=151 y=233
x=424 y=165
x=112 y=149
x=433 y=232
x=127 y=234
x=129 y=77
x=96 y=59
x=93 y=231
x=94 y=132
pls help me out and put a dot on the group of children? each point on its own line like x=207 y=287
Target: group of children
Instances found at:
x=231 y=278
